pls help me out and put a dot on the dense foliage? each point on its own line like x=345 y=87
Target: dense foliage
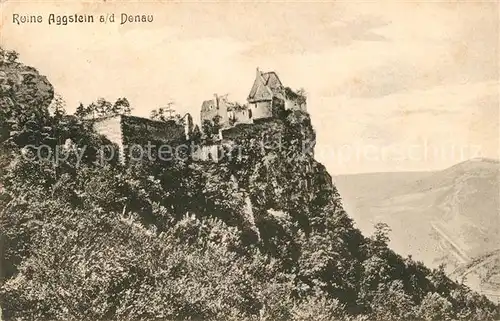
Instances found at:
x=104 y=108
x=260 y=236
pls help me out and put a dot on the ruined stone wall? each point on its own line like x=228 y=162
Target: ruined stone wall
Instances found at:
x=153 y=136
x=261 y=109
x=137 y=130
x=111 y=128
x=241 y=116
x=222 y=112
x=210 y=113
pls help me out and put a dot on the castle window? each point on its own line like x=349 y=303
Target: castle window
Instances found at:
x=249 y=114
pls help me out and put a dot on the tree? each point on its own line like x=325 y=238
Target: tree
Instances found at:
x=302 y=92
x=81 y=111
x=216 y=124
x=380 y=237
x=103 y=107
x=317 y=307
x=206 y=127
x=232 y=120
x=8 y=56
x=196 y=134
x=211 y=128
x=165 y=113
x=434 y=307
x=57 y=108
x=147 y=241
x=121 y=106
x=393 y=303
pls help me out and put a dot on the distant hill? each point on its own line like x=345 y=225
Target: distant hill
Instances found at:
x=450 y=216
x=259 y=234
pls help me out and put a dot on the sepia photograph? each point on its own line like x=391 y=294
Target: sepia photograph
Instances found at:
x=249 y=161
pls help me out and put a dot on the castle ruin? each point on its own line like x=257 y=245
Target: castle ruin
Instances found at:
x=267 y=98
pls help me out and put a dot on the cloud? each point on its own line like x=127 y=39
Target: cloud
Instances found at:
x=302 y=39
x=447 y=117
x=432 y=46
x=424 y=111
x=275 y=28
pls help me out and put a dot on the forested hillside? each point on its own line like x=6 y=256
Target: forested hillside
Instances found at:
x=453 y=215
x=261 y=235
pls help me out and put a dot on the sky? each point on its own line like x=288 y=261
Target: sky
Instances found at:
x=391 y=86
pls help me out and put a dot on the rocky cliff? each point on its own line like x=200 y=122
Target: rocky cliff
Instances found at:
x=23 y=91
x=24 y=95
x=273 y=161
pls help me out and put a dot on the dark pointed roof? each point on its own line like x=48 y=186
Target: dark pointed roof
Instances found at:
x=266 y=86
x=272 y=81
